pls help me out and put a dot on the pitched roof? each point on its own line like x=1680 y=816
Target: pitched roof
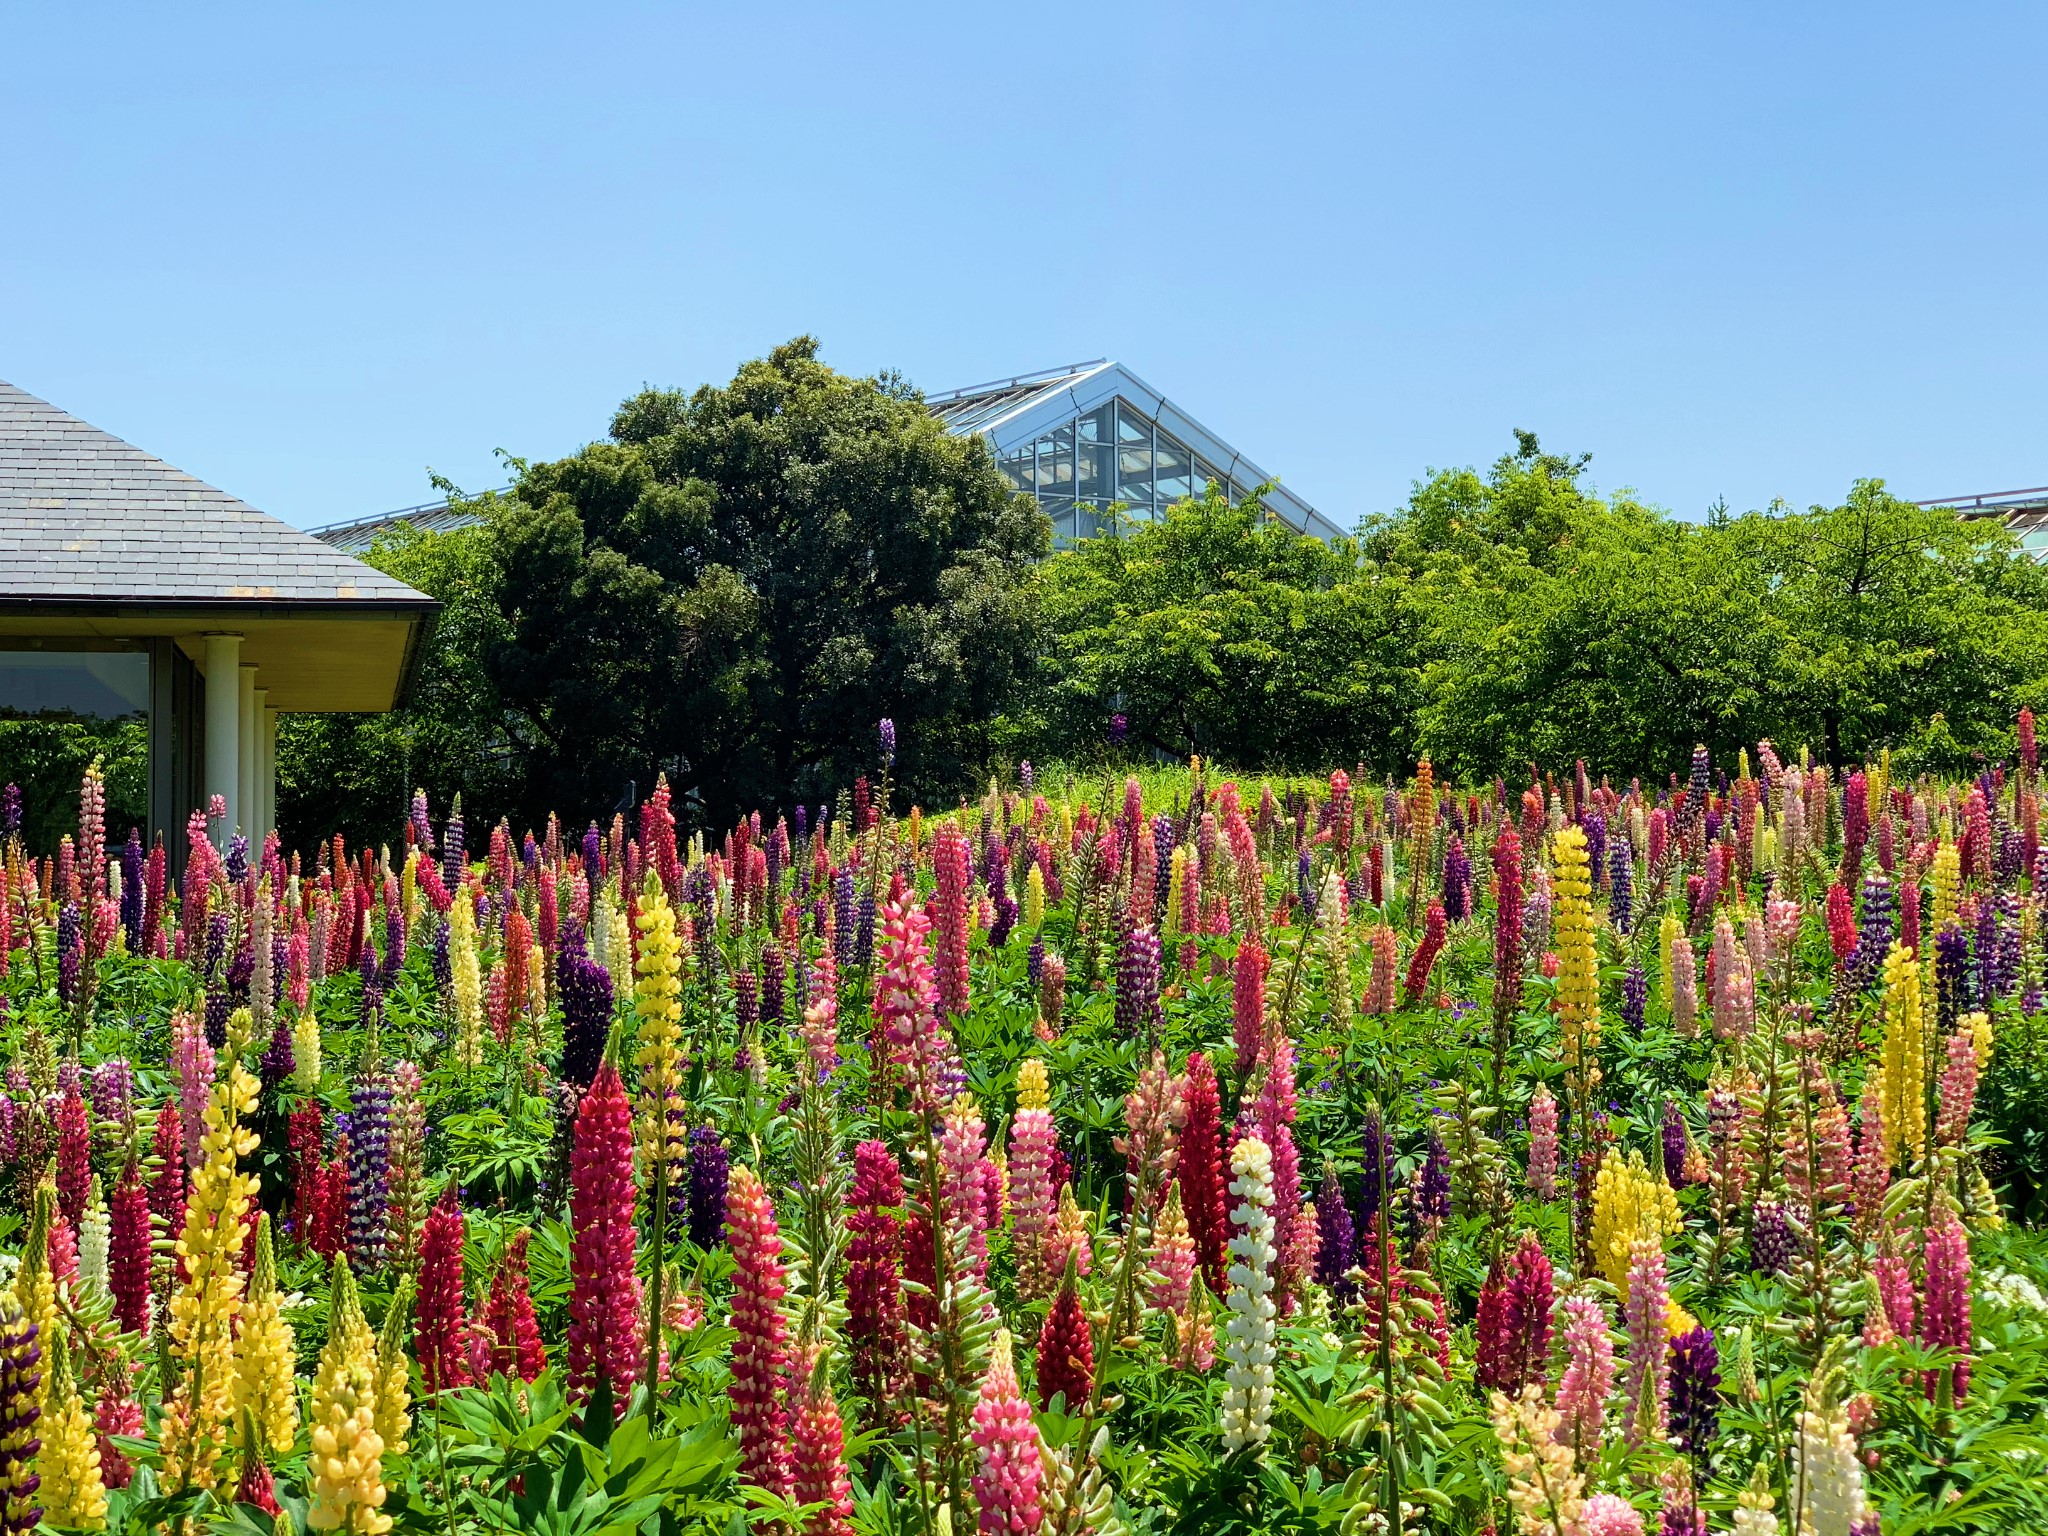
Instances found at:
x=87 y=518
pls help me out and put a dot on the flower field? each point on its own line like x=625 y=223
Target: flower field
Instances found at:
x=1192 y=1153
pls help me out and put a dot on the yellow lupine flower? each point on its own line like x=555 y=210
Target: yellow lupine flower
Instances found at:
x=34 y=1286
x=1033 y=1086
x=73 y=1491
x=1669 y=931
x=266 y=1357
x=1578 y=984
x=466 y=982
x=1034 y=898
x=1979 y=1025
x=1629 y=1203
x=394 y=1372
x=657 y=1004
x=345 y=1466
x=1904 y=1061
x=1948 y=879
x=306 y=1052
x=206 y=1307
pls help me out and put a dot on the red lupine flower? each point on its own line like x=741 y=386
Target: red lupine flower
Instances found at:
x=1066 y=1351
x=1841 y=922
x=1202 y=1193
x=1493 y=1345
x=874 y=1292
x=518 y=1350
x=760 y=1353
x=440 y=1321
x=1248 y=1004
x=256 y=1486
x=74 y=1156
x=329 y=1221
x=1507 y=922
x=128 y=1251
x=818 y=1461
x=604 y=1294
x=1433 y=932
x=304 y=1140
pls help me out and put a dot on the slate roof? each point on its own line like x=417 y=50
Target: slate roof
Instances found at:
x=86 y=518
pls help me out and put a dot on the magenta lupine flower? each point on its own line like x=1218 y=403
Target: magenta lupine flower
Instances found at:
x=1588 y=1378
x=1530 y=1294
x=1507 y=921
x=874 y=1290
x=1424 y=958
x=1945 y=1307
x=1248 y=1004
x=604 y=1293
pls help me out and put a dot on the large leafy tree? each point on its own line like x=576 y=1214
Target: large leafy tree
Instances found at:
x=741 y=581
x=1216 y=630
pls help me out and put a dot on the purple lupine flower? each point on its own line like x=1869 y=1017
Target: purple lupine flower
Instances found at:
x=864 y=932
x=1674 y=1145
x=2008 y=941
x=1635 y=996
x=280 y=1061
x=774 y=986
x=1119 y=728
x=997 y=867
x=746 y=1001
x=709 y=1167
x=369 y=1170
x=1695 y=1391
x=1433 y=1182
x=1951 y=965
x=216 y=945
x=1163 y=840
x=70 y=952
x=1594 y=824
x=10 y=810
x=280 y=964
x=9 y=1149
x=1457 y=881
x=777 y=852
x=593 y=855
x=1697 y=784
x=1337 y=1249
x=1137 y=985
x=21 y=1373
x=1874 y=935
x=1025 y=775
x=452 y=859
x=887 y=730
x=1770 y=1239
x=1034 y=962
x=113 y=1091
x=585 y=988
x=843 y=934
x=1621 y=872
x=131 y=889
x=443 y=967
x=242 y=969
x=238 y=858
x=1986 y=954
x=394 y=945
x=422 y=829
x=1372 y=1171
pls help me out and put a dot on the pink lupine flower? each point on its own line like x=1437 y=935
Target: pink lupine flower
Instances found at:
x=1588 y=1374
x=1379 y=989
x=1646 y=1384
x=1958 y=1089
x=818 y=1460
x=961 y=1144
x=192 y=1065
x=821 y=1013
x=1006 y=1484
x=1609 y=1514
x=951 y=868
x=906 y=1008
x=1685 y=993
x=1033 y=1200
x=760 y=1354
x=1248 y=1004
x=1543 y=1143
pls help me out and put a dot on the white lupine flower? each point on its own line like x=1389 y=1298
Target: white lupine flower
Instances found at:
x=1827 y=1474
x=1248 y=1374
x=95 y=1234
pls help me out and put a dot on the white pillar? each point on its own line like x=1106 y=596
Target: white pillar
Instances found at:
x=267 y=736
x=262 y=794
x=223 y=723
x=247 y=702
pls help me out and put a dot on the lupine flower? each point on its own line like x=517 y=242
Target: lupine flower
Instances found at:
x=1137 y=985
x=128 y=1245
x=74 y=1155
x=1066 y=1350
x=95 y=1237
x=874 y=1296
x=585 y=989
x=657 y=1005
x=306 y=1052
x=906 y=1009
x=759 y=1353
x=1695 y=1391
x=1904 y=1058
x=265 y=1355
x=952 y=870
x=369 y=1169
x=1629 y=1203
x=1588 y=1378
x=72 y=1489
x=1542 y=1179
x=962 y=1141
x=517 y=1349
x=818 y=1456
x=1201 y=1168
x=1827 y=1471
x=1006 y=1483
x=345 y=1465
x=1424 y=958
x=192 y=1065
x=1646 y=1384
x=1770 y=1238
x=441 y=1321
x=465 y=982
x=1248 y=1395
x=1685 y=996
x=1033 y=1200
x=1248 y=1004
x=1172 y=1258
x=1578 y=987
x=1945 y=1309
x=1958 y=1084
x=1514 y=1335
x=1609 y=1514
x=1337 y=1238
x=1545 y=1487
x=709 y=1164
x=604 y=1294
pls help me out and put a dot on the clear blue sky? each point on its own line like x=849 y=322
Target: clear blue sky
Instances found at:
x=1738 y=250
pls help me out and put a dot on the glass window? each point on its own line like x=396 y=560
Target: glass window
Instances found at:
x=59 y=710
x=1172 y=472
x=1134 y=477
x=1205 y=472
x=74 y=685
x=1017 y=469
x=1093 y=467
x=1132 y=426
x=1095 y=427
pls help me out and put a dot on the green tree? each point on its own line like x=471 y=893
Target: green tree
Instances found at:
x=1216 y=630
